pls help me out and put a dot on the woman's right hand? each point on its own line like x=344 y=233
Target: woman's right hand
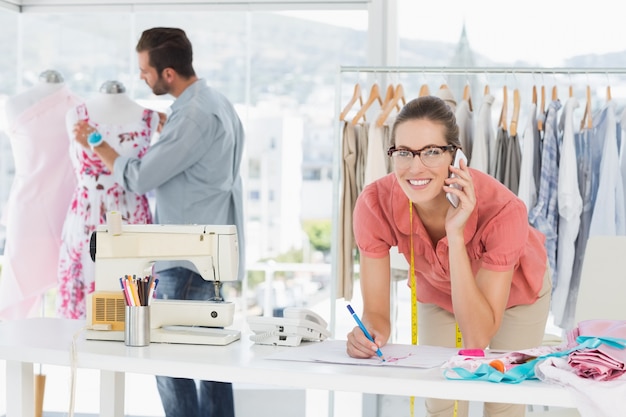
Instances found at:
x=359 y=346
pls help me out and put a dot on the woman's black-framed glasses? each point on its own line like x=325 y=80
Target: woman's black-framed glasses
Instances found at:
x=431 y=156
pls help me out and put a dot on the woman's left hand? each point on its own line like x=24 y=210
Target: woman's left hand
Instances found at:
x=457 y=217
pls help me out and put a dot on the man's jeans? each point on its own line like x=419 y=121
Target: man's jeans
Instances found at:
x=182 y=397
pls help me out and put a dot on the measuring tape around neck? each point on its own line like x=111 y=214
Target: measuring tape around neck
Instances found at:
x=414 y=332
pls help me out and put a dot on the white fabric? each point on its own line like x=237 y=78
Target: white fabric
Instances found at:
x=375 y=165
x=593 y=398
x=484 y=137
x=464 y=119
x=622 y=152
x=609 y=213
x=570 y=206
x=527 y=191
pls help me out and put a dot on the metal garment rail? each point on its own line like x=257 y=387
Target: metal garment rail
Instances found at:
x=394 y=70
x=482 y=70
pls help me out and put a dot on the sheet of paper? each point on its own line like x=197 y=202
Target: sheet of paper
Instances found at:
x=334 y=351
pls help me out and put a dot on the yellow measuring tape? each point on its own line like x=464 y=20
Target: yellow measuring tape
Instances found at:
x=414 y=337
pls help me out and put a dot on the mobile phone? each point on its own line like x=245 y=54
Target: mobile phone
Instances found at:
x=453 y=199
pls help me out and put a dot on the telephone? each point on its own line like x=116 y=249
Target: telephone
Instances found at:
x=296 y=325
x=453 y=199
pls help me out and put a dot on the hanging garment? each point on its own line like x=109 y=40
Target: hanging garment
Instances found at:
x=609 y=212
x=37 y=204
x=622 y=149
x=464 y=119
x=513 y=164
x=527 y=190
x=502 y=143
x=544 y=215
x=95 y=195
x=589 y=154
x=484 y=137
x=376 y=164
x=354 y=147
x=570 y=206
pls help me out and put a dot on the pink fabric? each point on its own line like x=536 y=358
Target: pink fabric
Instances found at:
x=497 y=237
x=37 y=204
x=96 y=194
x=603 y=363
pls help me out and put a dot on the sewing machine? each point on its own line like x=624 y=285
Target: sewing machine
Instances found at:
x=132 y=250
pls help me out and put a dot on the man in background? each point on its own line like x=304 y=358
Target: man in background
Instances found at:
x=194 y=170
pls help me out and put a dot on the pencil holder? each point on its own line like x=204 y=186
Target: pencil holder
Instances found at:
x=137 y=326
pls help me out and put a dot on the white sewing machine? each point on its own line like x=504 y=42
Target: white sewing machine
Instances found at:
x=132 y=250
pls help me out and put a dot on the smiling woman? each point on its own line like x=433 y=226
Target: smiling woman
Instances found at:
x=478 y=271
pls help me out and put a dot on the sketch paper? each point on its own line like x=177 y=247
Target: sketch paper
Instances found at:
x=334 y=351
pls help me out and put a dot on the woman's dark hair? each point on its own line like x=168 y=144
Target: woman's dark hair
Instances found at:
x=168 y=48
x=429 y=108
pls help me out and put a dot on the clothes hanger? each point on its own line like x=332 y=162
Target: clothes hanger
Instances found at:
x=389 y=94
x=608 y=93
x=394 y=102
x=555 y=94
x=516 y=108
x=374 y=96
x=486 y=89
x=467 y=95
x=503 y=113
x=424 y=90
x=586 y=120
x=356 y=95
x=534 y=99
x=543 y=108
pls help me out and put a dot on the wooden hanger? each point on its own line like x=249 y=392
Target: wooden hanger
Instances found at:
x=571 y=91
x=608 y=93
x=555 y=94
x=388 y=95
x=394 y=102
x=534 y=100
x=467 y=95
x=503 y=113
x=542 y=108
x=424 y=90
x=586 y=120
x=516 y=107
x=486 y=89
x=356 y=95
x=374 y=96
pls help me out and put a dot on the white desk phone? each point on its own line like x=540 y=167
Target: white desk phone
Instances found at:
x=133 y=249
x=296 y=325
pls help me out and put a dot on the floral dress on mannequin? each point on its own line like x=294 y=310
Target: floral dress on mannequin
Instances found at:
x=96 y=194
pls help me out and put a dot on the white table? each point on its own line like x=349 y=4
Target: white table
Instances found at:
x=49 y=341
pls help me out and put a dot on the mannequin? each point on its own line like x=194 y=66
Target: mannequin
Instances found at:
x=127 y=127
x=40 y=193
x=50 y=81
x=113 y=106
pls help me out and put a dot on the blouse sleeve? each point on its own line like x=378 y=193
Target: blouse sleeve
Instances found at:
x=505 y=237
x=372 y=231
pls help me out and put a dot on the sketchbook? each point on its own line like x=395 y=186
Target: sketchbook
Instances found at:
x=334 y=351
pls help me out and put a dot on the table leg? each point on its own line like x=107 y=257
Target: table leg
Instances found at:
x=20 y=389
x=111 y=394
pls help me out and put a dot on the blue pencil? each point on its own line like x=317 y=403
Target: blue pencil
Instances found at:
x=367 y=334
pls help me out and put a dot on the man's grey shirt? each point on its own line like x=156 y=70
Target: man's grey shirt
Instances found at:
x=193 y=167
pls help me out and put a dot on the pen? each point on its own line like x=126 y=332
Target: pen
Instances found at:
x=367 y=334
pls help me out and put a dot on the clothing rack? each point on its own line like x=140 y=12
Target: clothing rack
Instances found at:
x=482 y=70
x=397 y=70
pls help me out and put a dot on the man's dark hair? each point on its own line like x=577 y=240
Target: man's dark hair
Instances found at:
x=168 y=48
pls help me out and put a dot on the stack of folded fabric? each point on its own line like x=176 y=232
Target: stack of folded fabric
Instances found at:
x=607 y=359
